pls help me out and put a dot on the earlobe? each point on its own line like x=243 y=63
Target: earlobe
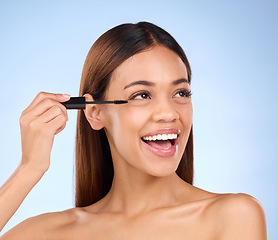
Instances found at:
x=93 y=113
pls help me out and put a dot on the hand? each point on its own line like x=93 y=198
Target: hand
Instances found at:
x=39 y=123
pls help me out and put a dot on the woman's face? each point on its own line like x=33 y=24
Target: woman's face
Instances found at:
x=150 y=132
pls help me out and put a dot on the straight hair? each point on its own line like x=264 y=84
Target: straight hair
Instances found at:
x=94 y=167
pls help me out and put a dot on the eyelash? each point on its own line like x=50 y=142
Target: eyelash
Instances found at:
x=185 y=93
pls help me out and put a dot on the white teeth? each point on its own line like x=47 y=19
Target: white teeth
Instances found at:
x=161 y=137
x=164 y=137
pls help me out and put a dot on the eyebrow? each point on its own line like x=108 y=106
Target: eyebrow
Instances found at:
x=148 y=83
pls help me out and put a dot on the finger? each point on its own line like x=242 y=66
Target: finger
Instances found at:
x=43 y=107
x=44 y=95
x=60 y=129
x=52 y=113
x=57 y=124
x=50 y=128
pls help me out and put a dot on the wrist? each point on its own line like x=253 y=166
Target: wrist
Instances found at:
x=31 y=171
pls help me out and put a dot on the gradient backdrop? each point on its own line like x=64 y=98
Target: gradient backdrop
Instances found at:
x=232 y=48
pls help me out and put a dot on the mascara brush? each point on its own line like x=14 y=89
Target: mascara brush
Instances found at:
x=80 y=102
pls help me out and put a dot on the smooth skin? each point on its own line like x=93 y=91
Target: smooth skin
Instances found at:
x=147 y=199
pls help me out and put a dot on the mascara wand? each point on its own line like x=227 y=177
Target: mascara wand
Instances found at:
x=80 y=102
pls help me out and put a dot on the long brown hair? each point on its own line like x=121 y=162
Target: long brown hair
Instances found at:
x=94 y=166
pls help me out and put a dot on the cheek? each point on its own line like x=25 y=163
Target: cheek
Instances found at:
x=125 y=124
x=187 y=115
x=186 y=118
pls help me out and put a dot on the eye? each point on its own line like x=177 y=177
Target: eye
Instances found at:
x=183 y=93
x=140 y=96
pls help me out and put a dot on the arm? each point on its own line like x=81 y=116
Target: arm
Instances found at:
x=14 y=191
x=39 y=123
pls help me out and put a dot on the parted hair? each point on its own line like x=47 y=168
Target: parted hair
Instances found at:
x=93 y=162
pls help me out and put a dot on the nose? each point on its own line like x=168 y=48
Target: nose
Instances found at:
x=164 y=112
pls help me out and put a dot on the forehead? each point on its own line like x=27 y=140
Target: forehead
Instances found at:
x=159 y=64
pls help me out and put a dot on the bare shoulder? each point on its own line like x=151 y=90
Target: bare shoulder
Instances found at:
x=44 y=226
x=240 y=216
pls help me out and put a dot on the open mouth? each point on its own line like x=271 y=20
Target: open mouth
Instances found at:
x=161 y=141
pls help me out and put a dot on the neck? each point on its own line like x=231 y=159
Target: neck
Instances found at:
x=140 y=193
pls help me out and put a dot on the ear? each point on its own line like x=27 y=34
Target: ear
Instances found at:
x=93 y=113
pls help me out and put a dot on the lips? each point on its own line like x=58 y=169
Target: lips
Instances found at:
x=162 y=142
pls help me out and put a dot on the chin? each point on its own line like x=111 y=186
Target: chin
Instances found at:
x=163 y=171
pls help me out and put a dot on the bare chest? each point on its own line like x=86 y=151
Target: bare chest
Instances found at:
x=161 y=226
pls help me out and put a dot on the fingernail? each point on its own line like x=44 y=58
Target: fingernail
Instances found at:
x=67 y=96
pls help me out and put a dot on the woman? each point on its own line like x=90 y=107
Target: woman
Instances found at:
x=134 y=162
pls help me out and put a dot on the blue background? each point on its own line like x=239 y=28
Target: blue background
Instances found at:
x=232 y=48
